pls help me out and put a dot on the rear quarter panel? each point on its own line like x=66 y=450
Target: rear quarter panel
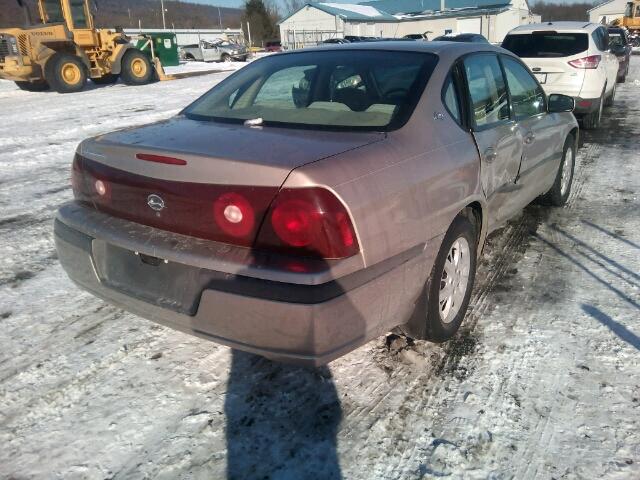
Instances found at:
x=405 y=190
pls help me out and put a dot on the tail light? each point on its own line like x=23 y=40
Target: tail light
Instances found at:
x=590 y=62
x=298 y=221
x=308 y=221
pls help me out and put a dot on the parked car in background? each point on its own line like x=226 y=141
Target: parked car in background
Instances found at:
x=355 y=38
x=335 y=41
x=572 y=58
x=215 y=51
x=462 y=37
x=416 y=36
x=621 y=48
x=273 y=46
x=316 y=199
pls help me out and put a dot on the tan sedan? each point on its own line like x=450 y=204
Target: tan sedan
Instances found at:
x=317 y=199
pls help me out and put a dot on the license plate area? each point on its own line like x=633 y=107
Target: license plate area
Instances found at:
x=542 y=77
x=170 y=285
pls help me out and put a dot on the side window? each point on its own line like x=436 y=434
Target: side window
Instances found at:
x=527 y=97
x=78 y=14
x=54 y=11
x=487 y=90
x=450 y=98
x=599 y=39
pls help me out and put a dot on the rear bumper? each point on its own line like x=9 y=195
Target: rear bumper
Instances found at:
x=296 y=323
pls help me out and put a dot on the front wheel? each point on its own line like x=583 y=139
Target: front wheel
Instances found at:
x=561 y=188
x=445 y=297
x=225 y=58
x=136 y=68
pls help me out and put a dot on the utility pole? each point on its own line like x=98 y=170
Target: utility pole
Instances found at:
x=164 y=24
x=220 y=18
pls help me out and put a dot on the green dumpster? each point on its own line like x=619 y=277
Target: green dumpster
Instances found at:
x=165 y=47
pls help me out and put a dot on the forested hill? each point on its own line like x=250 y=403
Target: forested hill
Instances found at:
x=126 y=13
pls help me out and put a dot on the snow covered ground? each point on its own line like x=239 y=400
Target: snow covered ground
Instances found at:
x=542 y=382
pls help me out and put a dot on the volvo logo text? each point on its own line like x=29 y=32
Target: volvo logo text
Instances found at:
x=155 y=202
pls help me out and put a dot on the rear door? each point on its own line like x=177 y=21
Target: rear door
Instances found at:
x=548 y=53
x=498 y=139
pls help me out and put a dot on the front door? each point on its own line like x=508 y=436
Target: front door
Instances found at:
x=542 y=142
x=499 y=141
x=80 y=22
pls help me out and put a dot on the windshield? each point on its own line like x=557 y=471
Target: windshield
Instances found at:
x=370 y=90
x=546 y=44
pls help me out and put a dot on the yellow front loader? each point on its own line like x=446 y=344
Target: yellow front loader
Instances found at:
x=631 y=18
x=65 y=49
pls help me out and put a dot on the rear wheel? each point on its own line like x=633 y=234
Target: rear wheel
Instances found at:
x=559 y=192
x=136 y=68
x=225 y=57
x=108 y=79
x=39 y=86
x=592 y=120
x=65 y=73
x=445 y=297
x=611 y=98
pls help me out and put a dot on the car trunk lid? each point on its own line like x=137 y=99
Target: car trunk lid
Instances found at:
x=172 y=175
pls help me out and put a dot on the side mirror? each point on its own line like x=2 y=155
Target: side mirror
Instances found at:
x=560 y=103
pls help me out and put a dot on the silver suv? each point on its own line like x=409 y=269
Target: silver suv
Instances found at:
x=572 y=58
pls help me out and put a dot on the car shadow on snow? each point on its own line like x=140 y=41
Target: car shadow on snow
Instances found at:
x=282 y=420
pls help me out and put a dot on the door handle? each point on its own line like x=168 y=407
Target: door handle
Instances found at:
x=529 y=138
x=490 y=155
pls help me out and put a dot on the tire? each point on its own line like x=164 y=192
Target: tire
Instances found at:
x=108 y=79
x=136 y=68
x=40 y=86
x=592 y=120
x=225 y=57
x=189 y=57
x=65 y=73
x=439 y=321
x=611 y=98
x=561 y=189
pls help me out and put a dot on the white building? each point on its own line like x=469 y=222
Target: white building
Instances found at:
x=608 y=11
x=316 y=22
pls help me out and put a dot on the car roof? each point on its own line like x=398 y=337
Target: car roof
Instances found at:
x=442 y=48
x=557 y=27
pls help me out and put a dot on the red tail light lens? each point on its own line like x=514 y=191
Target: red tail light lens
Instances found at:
x=590 y=62
x=308 y=221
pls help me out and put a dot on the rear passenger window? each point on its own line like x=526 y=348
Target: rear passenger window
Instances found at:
x=450 y=97
x=527 y=97
x=487 y=90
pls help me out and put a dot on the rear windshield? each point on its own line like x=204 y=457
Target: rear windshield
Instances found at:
x=343 y=90
x=546 y=44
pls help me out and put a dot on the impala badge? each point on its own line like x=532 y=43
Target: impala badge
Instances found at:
x=155 y=202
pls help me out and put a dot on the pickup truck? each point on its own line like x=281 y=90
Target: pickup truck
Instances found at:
x=217 y=51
